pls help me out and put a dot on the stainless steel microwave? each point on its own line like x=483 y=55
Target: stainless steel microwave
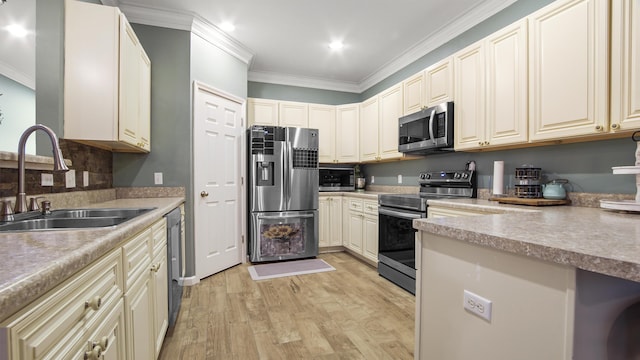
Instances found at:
x=335 y=178
x=428 y=130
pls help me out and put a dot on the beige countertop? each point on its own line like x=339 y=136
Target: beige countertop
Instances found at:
x=33 y=262
x=592 y=239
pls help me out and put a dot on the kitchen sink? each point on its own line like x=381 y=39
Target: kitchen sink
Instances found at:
x=71 y=219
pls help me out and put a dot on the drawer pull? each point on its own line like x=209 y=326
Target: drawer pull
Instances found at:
x=94 y=354
x=104 y=342
x=94 y=303
x=156 y=267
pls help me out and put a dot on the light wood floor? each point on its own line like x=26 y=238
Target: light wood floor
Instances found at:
x=350 y=313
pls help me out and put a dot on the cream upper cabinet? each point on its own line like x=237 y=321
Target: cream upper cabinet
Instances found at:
x=625 y=65
x=293 y=114
x=414 y=96
x=347 y=133
x=506 y=82
x=323 y=118
x=106 y=80
x=439 y=82
x=469 y=90
x=491 y=90
x=262 y=112
x=369 y=129
x=568 y=69
x=391 y=109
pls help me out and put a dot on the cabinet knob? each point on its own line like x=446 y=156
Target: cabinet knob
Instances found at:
x=599 y=127
x=94 y=354
x=156 y=267
x=94 y=303
x=480 y=143
x=204 y=194
x=102 y=344
x=486 y=143
x=615 y=126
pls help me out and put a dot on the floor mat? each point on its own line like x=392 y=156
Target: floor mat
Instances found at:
x=288 y=268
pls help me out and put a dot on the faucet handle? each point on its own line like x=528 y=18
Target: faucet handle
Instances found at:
x=33 y=203
x=46 y=207
x=7 y=211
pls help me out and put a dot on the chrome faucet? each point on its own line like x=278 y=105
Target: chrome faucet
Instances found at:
x=58 y=162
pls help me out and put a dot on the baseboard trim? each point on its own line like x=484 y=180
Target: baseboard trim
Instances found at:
x=189 y=281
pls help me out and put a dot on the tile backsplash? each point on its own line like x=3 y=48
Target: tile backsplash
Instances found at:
x=98 y=162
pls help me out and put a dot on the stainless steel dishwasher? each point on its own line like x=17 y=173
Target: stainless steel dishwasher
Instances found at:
x=174 y=256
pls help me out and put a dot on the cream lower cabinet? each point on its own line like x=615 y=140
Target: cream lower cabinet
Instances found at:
x=361 y=227
x=116 y=308
x=330 y=214
x=625 y=65
x=569 y=69
x=107 y=80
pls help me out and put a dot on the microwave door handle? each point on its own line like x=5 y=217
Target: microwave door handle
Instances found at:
x=433 y=113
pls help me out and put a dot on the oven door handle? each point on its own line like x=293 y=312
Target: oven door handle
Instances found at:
x=400 y=214
x=276 y=217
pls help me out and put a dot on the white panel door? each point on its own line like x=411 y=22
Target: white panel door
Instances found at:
x=218 y=127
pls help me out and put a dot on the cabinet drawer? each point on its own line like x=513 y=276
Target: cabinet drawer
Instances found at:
x=63 y=316
x=159 y=231
x=371 y=207
x=136 y=257
x=356 y=204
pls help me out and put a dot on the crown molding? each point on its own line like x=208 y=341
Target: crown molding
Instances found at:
x=440 y=37
x=188 y=22
x=302 y=81
x=17 y=76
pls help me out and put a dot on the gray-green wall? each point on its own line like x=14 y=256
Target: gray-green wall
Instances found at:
x=296 y=93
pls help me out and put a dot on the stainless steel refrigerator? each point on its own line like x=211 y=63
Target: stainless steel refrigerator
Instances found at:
x=283 y=193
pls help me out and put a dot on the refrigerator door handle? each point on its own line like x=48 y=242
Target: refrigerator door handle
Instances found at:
x=276 y=217
x=289 y=162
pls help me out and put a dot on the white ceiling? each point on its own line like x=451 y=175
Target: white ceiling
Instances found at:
x=287 y=40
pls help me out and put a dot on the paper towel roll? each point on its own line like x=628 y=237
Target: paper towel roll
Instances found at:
x=498 y=177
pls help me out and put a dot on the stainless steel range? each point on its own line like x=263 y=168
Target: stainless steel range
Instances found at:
x=396 y=235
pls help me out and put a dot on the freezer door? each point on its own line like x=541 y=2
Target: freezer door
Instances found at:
x=266 y=169
x=284 y=235
x=301 y=169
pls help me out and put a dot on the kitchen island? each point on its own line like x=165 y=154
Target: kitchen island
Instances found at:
x=539 y=267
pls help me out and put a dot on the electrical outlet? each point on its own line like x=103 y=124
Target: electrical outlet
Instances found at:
x=85 y=178
x=70 y=179
x=373 y=179
x=477 y=305
x=399 y=179
x=47 y=179
x=157 y=178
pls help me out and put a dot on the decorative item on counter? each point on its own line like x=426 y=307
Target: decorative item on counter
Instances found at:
x=360 y=179
x=498 y=178
x=528 y=182
x=555 y=189
x=628 y=205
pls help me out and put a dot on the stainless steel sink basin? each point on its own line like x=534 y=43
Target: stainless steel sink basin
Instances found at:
x=91 y=213
x=71 y=219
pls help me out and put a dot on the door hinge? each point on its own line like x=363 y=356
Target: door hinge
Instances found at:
x=241 y=180
x=242 y=237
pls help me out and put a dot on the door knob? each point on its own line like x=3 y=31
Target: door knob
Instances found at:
x=204 y=194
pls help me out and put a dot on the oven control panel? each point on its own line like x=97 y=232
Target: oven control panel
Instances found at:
x=456 y=178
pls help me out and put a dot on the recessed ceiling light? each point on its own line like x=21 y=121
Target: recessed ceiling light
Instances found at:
x=17 y=30
x=336 y=45
x=227 y=26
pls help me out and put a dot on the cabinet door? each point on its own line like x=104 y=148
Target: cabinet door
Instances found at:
x=129 y=84
x=160 y=297
x=625 y=65
x=323 y=118
x=293 y=114
x=414 y=97
x=347 y=133
x=109 y=337
x=324 y=221
x=139 y=318
x=391 y=105
x=469 y=70
x=439 y=82
x=346 y=222
x=335 y=222
x=568 y=69
x=369 y=129
x=144 y=122
x=262 y=112
x=370 y=237
x=356 y=220
x=506 y=95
